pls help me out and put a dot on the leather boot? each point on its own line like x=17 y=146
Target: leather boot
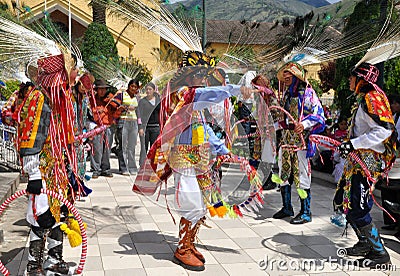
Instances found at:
x=378 y=254
x=362 y=247
x=193 y=235
x=305 y=212
x=35 y=258
x=184 y=253
x=54 y=262
x=287 y=209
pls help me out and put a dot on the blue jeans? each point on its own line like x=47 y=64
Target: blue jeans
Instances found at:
x=361 y=202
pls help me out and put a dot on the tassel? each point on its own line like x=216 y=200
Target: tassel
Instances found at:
x=212 y=211
x=220 y=209
x=237 y=211
x=74 y=225
x=259 y=197
x=302 y=193
x=232 y=213
x=74 y=238
x=253 y=205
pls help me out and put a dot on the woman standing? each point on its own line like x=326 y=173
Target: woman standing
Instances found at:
x=149 y=108
x=131 y=122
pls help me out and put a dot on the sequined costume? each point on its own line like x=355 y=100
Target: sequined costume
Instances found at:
x=372 y=138
x=302 y=103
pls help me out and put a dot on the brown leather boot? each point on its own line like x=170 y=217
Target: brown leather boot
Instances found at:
x=195 y=230
x=184 y=253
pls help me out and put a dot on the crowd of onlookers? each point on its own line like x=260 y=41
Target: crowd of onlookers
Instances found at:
x=126 y=116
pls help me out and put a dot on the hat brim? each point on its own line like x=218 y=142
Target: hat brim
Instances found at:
x=287 y=68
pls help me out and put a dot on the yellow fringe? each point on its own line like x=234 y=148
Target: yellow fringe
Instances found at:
x=74 y=237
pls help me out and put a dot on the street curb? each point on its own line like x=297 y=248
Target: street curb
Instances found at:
x=9 y=187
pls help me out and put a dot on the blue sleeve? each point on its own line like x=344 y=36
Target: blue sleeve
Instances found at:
x=206 y=96
x=217 y=146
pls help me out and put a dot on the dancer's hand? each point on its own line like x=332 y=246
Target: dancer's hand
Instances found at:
x=298 y=128
x=247 y=91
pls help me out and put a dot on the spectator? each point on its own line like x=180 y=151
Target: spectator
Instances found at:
x=149 y=109
x=104 y=112
x=131 y=122
x=323 y=161
x=340 y=133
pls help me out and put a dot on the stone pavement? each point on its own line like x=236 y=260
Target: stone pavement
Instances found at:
x=129 y=234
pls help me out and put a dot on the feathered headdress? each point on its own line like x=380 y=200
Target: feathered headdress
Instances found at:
x=117 y=74
x=157 y=19
x=49 y=60
x=386 y=46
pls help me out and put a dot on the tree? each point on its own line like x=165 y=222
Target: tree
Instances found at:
x=392 y=76
x=11 y=87
x=98 y=41
x=366 y=16
x=99 y=12
x=327 y=76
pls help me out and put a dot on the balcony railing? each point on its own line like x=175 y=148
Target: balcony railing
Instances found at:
x=8 y=153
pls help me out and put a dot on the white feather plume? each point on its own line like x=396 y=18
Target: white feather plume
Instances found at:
x=20 y=44
x=117 y=75
x=386 y=46
x=158 y=20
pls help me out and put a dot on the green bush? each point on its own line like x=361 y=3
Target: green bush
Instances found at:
x=12 y=85
x=98 y=41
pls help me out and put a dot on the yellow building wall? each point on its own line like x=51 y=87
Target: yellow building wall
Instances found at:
x=135 y=41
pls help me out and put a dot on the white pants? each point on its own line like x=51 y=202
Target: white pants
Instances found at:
x=31 y=167
x=189 y=201
x=304 y=169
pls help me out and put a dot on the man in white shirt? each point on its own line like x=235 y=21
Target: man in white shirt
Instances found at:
x=372 y=139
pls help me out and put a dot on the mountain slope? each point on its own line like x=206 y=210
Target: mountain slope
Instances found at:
x=253 y=10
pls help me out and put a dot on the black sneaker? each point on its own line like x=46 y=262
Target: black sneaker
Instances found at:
x=95 y=175
x=106 y=174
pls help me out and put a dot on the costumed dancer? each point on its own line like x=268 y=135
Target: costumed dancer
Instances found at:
x=372 y=138
x=45 y=136
x=268 y=154
x=184 y=147
x=302 y=103
x=31 y=114
x=81 y=92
